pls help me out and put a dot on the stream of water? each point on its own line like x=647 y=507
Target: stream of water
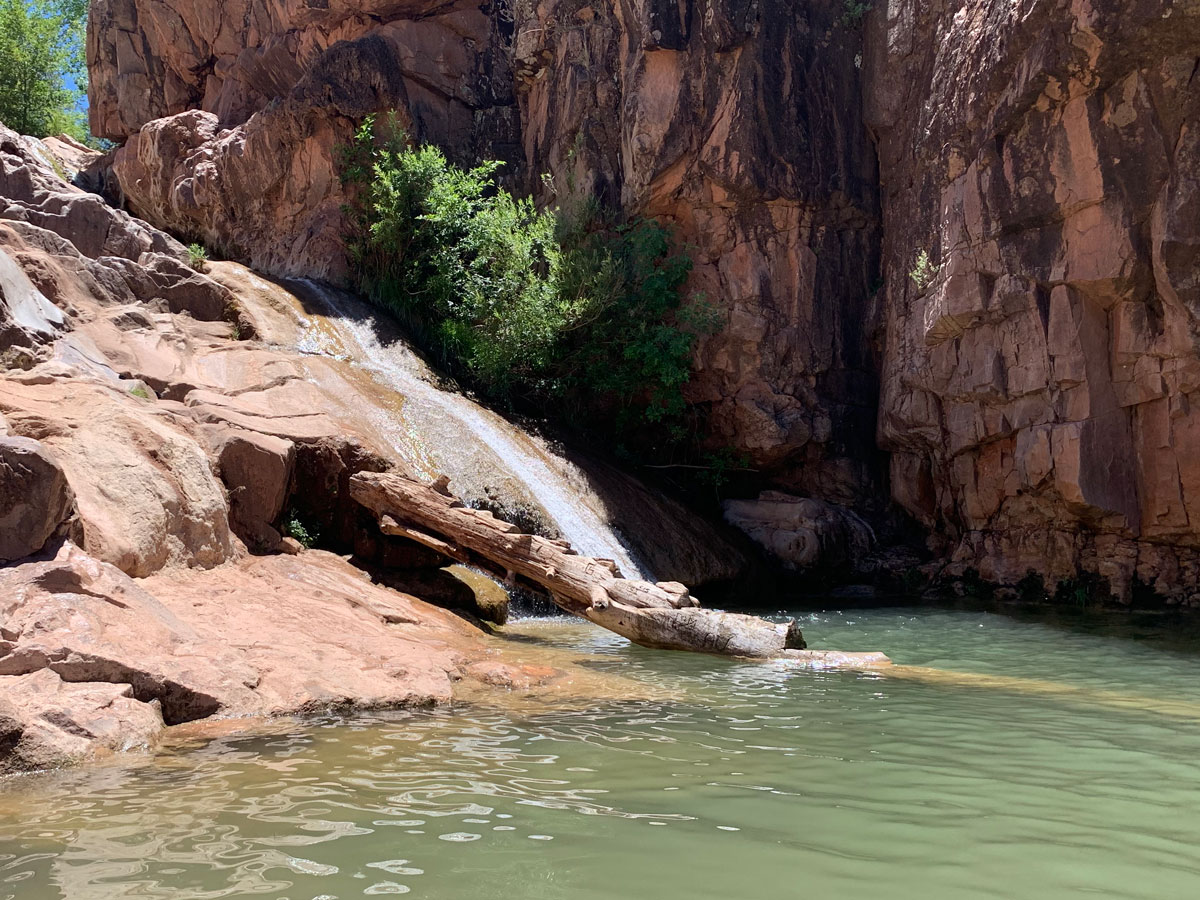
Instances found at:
x=446 y=429
x=738 y=781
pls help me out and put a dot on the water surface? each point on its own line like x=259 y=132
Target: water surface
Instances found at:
x=747 y=781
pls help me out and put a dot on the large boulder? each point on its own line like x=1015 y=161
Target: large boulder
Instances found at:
x=35 y=498
x=47 y=723
x=257 y=470
x=144 y=487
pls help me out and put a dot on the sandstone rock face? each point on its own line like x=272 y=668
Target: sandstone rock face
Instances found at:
x=92 y=660
x=257 y=470
x=737 y=123
x=35 y=498
x=802 y=533
x=1038 y=382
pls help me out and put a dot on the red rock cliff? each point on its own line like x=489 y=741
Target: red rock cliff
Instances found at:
x=1034 y=388
x=739 y=122
x=1038 y=381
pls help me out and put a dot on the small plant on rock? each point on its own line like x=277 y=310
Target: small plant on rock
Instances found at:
x=197 y=257
x=294 y=528
x=923 y=272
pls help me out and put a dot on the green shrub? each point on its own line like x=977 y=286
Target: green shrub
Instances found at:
x=580 y=316
x=923 y=272
x=294 y=528
x=197 y=257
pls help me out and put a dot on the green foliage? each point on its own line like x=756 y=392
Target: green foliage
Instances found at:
x=140 y=392
x=294 y=528
x=197 y=257
x=578 y=315
x=854 y=11
x=720 y=465
x=42 y=68
x=923 y=272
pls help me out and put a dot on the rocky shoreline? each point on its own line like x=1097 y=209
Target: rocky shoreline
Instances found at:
x=159 y=427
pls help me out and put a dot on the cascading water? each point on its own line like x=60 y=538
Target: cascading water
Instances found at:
x=432 y=428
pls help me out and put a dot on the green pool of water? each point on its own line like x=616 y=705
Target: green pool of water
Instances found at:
x=754 y=781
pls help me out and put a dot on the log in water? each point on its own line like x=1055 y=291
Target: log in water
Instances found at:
x=661 y=616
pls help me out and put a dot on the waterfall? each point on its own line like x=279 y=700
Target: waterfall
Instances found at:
x=435 y=429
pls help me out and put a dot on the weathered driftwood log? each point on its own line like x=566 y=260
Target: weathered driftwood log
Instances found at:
x=663 y=616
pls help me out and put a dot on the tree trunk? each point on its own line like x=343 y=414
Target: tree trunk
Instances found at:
x=662 y=616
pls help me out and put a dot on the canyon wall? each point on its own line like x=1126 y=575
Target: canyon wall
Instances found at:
x=232 y=118
x=1040 y=370
x=964 y=231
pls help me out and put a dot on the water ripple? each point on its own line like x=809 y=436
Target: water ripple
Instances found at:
x=756 y=781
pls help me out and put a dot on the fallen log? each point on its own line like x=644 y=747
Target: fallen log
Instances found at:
x=663 y=616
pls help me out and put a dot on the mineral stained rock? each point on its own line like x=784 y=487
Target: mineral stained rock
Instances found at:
x=1038 y=381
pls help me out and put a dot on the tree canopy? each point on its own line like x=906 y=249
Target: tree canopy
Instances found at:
x=42 y=68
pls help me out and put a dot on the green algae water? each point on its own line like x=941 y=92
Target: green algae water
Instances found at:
x=743 y=781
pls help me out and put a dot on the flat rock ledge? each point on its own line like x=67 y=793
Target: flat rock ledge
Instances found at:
x=93 y=661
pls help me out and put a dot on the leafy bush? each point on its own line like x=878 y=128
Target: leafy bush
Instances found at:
x=580 y=316
x=197 y=257
x=923 y=272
